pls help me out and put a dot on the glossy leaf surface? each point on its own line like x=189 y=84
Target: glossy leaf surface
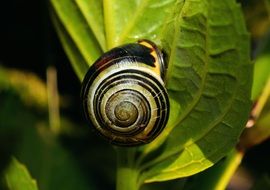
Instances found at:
x=208 y=79
x=128 y=21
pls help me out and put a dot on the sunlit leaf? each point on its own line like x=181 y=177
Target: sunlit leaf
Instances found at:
x=18 y=178
x=33 y=95
x=78 y=62
x=128 y=21
x=93 y=13
x=80 y=41
x=209 y=78
x=261 y=74
x=218 y=176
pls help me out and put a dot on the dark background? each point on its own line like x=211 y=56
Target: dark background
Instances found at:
x=29 y=43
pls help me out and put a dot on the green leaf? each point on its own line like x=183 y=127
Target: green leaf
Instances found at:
x=261 y=75
x=75 y=23
x=209 y=83
x=218 y=176
x=92 y=10
x=52 y=163
x=128 y=21
x=34 y=95
x=82 y=43
x=18 y=178
x=78 y=62
x=208 y=79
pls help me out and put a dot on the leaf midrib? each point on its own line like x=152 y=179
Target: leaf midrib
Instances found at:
x=61 y=15
x=199 y=93
x=214 y=123
x=92 y=25
x=131 y=24
x=144 y=174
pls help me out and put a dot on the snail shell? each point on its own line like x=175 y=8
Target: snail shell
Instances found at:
x=123 y=94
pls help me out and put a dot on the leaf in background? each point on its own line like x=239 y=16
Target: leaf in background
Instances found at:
x=258 y=129
x=209 y=83
x=33 y=95
x=53 y=166
x=261 y=74
x=13 y=112
x=82 y=43
x=92 y=10
x=18 y=178
x=78 y=62
x=261 y=67
x=25 y=134
x=268 y=7
x=257 y=15
x=218 y=176
x=128 y=21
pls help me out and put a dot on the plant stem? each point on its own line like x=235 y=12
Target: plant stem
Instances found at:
x=229 y=167
x=127 y=174
x=53 y=100
x=218 y=176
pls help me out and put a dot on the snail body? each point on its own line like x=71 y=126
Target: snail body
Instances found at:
x=123 y=94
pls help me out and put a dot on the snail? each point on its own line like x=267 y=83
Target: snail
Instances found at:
x=124 y=95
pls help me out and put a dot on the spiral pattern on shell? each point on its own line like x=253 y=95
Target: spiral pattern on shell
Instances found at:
x=124 y=96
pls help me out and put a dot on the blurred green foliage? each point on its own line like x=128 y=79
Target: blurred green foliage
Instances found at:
x=26 y=134
x=18 y=178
